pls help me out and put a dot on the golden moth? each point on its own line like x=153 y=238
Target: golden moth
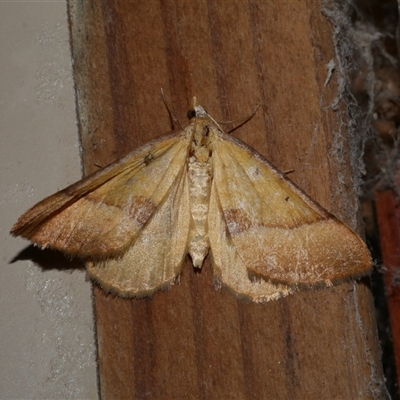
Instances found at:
x=197 y=191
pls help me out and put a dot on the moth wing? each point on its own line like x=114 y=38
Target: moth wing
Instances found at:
x=278 y=231
x=154 y=260
x=229 y=269
x=102 y=214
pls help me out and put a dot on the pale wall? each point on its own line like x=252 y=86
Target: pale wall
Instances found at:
x=46 y=324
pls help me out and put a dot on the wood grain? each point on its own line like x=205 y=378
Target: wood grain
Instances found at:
x=388 y=218
x=193 y=341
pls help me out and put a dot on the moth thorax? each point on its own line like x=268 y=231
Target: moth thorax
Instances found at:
x=199 y=193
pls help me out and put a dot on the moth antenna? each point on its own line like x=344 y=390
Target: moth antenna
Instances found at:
x=289 y=171
x=244 y=120
x=175 y=122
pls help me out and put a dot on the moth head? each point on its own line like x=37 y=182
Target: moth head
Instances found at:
x=200 y=112
x=191 y=114
x=196 y=110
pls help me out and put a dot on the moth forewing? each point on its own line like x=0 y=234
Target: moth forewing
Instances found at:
x=101 y=215
x=294 y=241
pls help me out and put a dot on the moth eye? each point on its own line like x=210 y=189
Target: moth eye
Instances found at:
x=191 y=114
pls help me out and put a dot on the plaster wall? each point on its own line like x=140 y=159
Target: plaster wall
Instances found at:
x=47 y=347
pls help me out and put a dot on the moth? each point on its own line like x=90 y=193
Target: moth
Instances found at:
x=202 y=192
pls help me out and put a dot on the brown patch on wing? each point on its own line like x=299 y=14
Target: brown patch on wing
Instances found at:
x=141 y=209
x=237 y=221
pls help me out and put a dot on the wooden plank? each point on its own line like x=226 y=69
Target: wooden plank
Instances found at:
x=193 y=341
x=388 y=218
